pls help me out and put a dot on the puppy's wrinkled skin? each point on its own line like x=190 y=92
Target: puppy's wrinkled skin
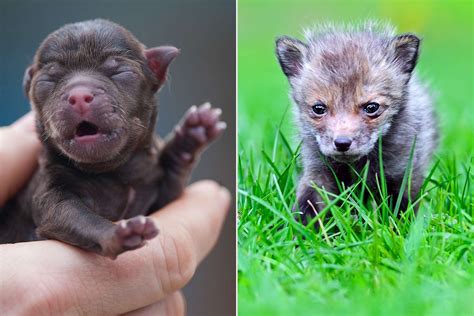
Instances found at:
x=351 y=85
x=92 y=87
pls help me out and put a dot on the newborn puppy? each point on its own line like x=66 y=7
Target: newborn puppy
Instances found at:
x=92 y=87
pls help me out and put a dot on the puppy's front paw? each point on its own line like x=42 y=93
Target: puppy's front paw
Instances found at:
x=129 y=234
x=200 y=126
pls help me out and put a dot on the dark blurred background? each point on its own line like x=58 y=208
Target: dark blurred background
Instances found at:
x=204 y=71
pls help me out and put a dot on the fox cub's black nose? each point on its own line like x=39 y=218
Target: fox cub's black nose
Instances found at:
x=342 y=143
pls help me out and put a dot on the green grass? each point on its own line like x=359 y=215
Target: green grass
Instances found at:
x=373 y=263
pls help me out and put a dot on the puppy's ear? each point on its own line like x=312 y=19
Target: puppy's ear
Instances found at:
x=406 y=51
x=290 y=53
x=159 y=58
x=29 y=72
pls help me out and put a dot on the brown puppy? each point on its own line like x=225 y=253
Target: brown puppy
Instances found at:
x=92 y=87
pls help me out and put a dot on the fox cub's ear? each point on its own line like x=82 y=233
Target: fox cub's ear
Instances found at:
x=406 y=51
x=290 y=53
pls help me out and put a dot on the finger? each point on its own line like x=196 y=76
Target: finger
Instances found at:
x=171 y=305
x=189 y=227
x=196 y=215
x=19 y=149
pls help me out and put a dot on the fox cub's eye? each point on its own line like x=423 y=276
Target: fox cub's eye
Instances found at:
x=371 y=108
x=319 y=108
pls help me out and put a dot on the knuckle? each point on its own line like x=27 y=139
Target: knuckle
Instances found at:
x=180 y=259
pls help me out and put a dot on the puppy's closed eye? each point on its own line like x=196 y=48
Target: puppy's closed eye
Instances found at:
x=44 y=86
x=124 y=75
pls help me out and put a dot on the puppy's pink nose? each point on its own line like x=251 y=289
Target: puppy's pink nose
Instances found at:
x=80 y=98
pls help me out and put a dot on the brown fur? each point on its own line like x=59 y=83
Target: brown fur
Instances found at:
x=82 y=188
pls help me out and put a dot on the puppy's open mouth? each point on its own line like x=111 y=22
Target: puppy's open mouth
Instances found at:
x=86 y=129
x=88 y=133
x=93 y=141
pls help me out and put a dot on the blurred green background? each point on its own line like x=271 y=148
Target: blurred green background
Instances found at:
x=446 y=60
x=272 y=279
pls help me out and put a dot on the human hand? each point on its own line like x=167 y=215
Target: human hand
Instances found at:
x=54 y=278
x=19 y=148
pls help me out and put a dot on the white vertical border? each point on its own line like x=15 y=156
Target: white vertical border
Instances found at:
x=236 y=214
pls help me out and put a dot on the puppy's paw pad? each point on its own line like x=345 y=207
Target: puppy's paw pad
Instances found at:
x=203 y=123
x=198 y=133
x=132 y=233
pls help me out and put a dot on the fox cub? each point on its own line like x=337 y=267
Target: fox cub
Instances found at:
x=351 y=85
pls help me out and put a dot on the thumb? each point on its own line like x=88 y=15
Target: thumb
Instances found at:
x=19 y=149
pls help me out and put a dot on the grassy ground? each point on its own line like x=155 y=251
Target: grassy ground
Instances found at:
x=374 y=264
